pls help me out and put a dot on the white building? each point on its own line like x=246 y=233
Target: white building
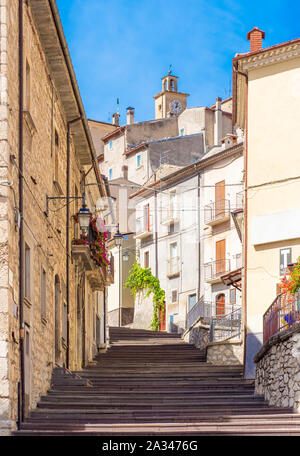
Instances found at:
x=185 y=233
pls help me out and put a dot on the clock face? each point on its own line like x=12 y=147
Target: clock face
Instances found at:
x=175 y=107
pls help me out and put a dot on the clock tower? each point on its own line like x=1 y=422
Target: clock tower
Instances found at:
x=169 y=102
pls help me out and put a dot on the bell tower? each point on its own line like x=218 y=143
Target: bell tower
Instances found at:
x=169 y=102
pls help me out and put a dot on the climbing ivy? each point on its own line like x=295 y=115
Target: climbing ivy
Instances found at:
x=142 y=279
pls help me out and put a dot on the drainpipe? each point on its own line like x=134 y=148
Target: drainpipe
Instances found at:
x=21 y=386
x=68 y=238
x=245 y=239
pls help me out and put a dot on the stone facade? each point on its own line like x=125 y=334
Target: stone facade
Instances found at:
x=50 y=102
x=225 y=353
x=278 y=370
x=198 y=336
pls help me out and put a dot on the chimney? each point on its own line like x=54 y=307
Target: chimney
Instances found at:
x=116 y=117
x=255 y=36
x=130 y=115
x=218 y=123
x=125 y=172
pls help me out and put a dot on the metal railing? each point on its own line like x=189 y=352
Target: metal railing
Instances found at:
x=215 y=269
x=201 y=309
x=216 y=211
x=173 y=266
x=226 y=327
x=283 y=313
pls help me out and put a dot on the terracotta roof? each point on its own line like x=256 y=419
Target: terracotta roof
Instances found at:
x=248 y=54
x=136 y=148
x=113 y=133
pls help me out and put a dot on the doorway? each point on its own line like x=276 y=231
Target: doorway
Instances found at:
x=57 y=319
x=220 y=305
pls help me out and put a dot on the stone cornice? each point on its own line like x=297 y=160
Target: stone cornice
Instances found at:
x=276 y=54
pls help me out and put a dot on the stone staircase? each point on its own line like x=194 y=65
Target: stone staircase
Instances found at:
x=153 y=383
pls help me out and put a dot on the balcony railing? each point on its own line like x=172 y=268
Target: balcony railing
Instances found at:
x=226 y=327
x=283 y=313
x=201 y=310
x=215 y=269
x=173 y=266
x=143 y=226
x=217 y=212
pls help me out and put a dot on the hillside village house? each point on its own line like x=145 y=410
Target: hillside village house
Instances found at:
x=266 y=100
x=186 y=235
x=52 y=306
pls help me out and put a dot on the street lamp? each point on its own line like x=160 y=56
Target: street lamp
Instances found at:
x=118 y=238
x=84 y=216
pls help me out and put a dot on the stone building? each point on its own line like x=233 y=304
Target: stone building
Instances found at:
x=52 y=306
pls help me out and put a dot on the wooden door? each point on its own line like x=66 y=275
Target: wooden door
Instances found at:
x=220 y=257
x=162 y=318
x=220 y=199
x=220 y=305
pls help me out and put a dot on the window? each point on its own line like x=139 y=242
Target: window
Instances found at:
x=174 y=296
x=232 y=296
x=56 y=155
x=172 y=204
x=181 y=131
x=43 y=294
x=173 y=250
x=27 y=87
x=27 y=272
x=110 y=173
x=191 y=301
x=64 y=322
x=110 y=145
x=138 y=161
x=146 y=260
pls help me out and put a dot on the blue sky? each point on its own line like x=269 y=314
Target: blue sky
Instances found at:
x=122 y=48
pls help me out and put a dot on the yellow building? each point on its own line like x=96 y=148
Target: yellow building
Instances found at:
x=266 y=104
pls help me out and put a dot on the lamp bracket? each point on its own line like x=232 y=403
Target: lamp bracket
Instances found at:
x=49 y=198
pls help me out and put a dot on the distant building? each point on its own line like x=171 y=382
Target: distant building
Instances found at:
x=186 y=235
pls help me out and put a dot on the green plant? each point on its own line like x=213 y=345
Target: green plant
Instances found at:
x=142 y=279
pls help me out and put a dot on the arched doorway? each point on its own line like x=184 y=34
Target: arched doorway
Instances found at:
x=57 y=318
x=220 y=305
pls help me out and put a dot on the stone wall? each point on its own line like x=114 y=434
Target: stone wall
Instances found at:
x=278 y=369
x=198 y=336
x=225 y=353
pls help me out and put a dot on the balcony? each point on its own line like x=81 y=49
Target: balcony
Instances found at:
x=283 y=313
x=169 y=215
x=144 y=227
x=173 y=267
x=217 y=212
x=215 y=269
